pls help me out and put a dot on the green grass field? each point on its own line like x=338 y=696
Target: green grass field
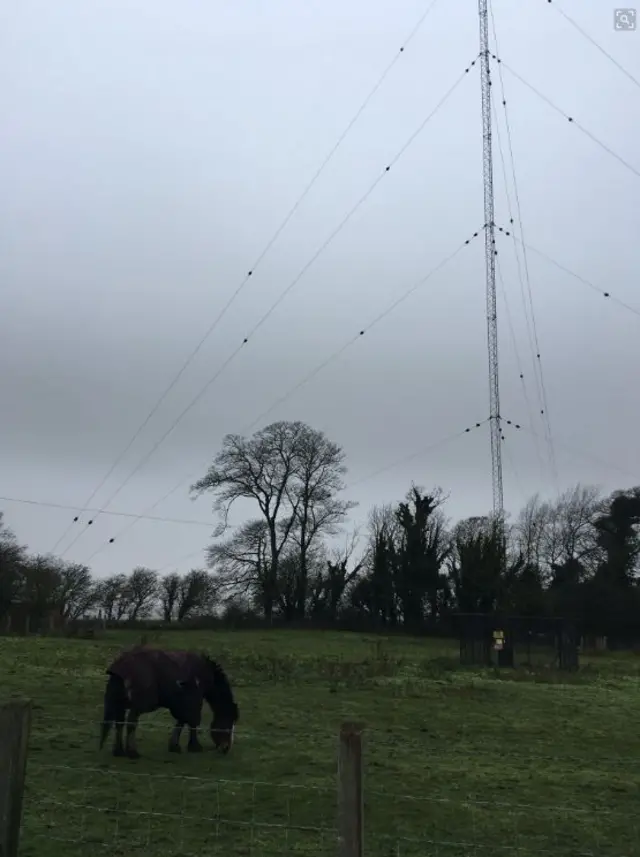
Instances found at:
x=456 y=762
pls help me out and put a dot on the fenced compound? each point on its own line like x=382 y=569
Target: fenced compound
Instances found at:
x=337 y=799
x=517 y=641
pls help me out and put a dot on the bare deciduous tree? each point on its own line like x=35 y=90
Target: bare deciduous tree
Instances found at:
x=75 y=592
x=40 y=582
x=333 y=578
x=241 y=564
x=111 y=597
x=314 y=495
x=140 y=592
x=530 y=535
x=168 y=590
x=549 y=535
x=12 y=559
x=293 y=473
x=197 y=594
x=259 y=468
x=572 y=525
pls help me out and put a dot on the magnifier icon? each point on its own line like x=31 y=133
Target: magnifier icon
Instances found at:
x=625 y=19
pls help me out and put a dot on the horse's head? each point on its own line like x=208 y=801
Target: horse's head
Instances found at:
x=225 y=711
x=222 y=727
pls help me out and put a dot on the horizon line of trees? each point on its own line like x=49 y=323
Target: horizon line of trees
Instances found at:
x=577 y=557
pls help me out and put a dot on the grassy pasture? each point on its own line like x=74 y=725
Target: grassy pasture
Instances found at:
x=457 y=762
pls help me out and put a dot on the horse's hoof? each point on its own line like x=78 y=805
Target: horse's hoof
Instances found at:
x=133 y=754
x=118 y=752
x=175 y=748
x=194 y=748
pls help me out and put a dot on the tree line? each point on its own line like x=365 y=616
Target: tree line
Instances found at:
x=575 y=557
x=45 y=582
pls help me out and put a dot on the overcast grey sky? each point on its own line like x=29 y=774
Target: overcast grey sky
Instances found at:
x=150 y=149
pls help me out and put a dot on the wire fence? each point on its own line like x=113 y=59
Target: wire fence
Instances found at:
x=165 y=814
x=530 y=750
x=77 y=800
x=177 y=815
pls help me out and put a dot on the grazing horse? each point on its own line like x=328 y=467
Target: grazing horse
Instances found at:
x=144 y=679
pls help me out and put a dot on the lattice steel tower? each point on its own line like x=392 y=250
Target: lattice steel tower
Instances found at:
x=490 y=266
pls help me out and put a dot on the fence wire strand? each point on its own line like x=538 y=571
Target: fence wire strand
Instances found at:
x=409 y=738
x=180 y=814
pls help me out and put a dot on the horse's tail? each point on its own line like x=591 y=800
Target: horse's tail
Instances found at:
x=115 y=705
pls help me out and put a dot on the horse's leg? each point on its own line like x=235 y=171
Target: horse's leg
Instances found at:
x=131 y=744
x=195 y=712
x=174 y=738
x=118 y=746
x=194 y=745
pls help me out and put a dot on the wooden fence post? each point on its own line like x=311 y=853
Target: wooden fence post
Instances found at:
x=350 y=792
x=15 y=723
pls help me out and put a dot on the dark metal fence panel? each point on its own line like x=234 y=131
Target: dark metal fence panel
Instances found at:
x=517 y=641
